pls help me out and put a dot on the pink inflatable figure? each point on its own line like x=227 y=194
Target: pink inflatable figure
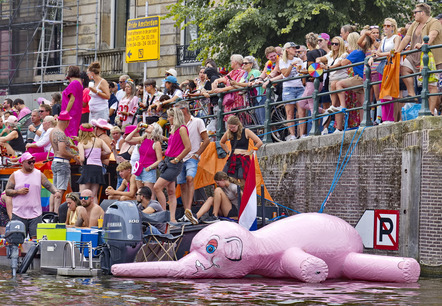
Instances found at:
x=309 y=247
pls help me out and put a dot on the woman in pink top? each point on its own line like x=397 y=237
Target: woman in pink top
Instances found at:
x=128 y=105
x=151 y=154
x=72 y=100
x=177 y=149
x=91 y=149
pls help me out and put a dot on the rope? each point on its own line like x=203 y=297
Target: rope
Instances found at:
x=288 y=208
x=341 y=167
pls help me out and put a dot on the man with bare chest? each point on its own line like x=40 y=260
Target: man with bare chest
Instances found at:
x=63 y=153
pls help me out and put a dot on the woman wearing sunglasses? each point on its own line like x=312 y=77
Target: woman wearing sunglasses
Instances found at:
x=390 y=42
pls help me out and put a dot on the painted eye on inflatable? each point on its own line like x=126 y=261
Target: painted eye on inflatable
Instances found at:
x=211 y=246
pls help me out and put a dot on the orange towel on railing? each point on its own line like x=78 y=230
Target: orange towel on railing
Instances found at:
x=390 y=78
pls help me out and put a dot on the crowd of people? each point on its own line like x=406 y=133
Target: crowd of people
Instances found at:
x=156 y=137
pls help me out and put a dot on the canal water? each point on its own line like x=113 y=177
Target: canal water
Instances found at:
x=35 y=288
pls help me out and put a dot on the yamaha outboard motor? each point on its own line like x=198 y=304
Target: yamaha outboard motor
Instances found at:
x=15 y=235
x=122 y=234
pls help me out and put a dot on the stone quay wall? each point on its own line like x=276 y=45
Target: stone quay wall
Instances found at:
x=395 y=167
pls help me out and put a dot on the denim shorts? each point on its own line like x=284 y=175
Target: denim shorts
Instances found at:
x=147 y=176
x=290 y=93
x=189 y=169
x=62 y=174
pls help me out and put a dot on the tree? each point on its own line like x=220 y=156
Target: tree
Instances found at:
x=247 y=27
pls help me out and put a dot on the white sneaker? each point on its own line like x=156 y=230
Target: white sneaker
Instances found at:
x=387 y=122
x=330 y=110
x=291 y=137
x=324 y=132
x=337 y=131
x=304 y=136
x=338 y=109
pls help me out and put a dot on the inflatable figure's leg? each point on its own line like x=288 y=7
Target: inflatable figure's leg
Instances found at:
x=381 y=268
x=303 y=266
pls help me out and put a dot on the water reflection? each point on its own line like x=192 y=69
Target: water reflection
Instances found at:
x=53 y=290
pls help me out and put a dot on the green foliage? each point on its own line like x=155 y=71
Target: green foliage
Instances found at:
x=247 y=27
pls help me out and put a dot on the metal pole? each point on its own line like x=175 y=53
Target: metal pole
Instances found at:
x=145 y=63
x=268 y=119
x=77 y=32
x=315 y=124
x=425 y=109
x=263 y=208
x=366 y=119
x=219 y=119
x=96 y=32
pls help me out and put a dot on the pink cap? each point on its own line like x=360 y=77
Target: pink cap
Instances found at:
x=25 y=156
x=64 y=116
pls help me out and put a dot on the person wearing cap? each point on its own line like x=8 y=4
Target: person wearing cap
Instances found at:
x=41 y=148
x=24 y=187
x=172 y=89
x=289 y=65
x=63 y=153
x=323 y=41
x=122 y=84
x=13 y=142
x=101 y=129
x=72 y=100
x=91 y=150
x=172 y=72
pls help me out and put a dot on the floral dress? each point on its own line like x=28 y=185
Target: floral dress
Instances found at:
x=236 y=75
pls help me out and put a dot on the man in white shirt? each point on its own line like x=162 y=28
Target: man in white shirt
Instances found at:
x=199 y=140
x=122 y=82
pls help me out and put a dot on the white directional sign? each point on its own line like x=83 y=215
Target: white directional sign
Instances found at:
x=379 y=229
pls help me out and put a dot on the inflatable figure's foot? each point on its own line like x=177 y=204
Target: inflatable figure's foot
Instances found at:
x=303 y=266
x=381 y=268
x=314 y=270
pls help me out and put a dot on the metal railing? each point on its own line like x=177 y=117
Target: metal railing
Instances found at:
x=315 y=130
x=111 y=61
x=186 y=56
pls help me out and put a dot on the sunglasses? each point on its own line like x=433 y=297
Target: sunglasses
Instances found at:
x=41 y=111
x=387 y=25
x=334 y=44
x=320 y=40
x=121 y=81
x=85 y=198
x=246 y=63
x=168 y=74
x=138 y=194
x=30 y=162
x=415 y=12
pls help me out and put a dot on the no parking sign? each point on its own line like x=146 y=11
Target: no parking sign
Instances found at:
x=379 y=229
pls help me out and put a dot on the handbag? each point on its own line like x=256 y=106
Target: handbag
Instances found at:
x=431 y=65
x=228 y=99
x=220 y=151
x=380 y=68
x=162 y=166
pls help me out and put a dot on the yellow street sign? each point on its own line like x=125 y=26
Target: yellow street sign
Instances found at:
x=143 y=39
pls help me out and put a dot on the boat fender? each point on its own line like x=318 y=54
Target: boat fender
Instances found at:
x=28 y=259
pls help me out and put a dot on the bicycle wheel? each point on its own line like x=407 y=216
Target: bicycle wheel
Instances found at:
x=279 y=131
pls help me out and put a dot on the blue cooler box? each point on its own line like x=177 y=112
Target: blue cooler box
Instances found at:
x=92 y=235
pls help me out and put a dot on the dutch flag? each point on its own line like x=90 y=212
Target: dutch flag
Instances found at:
x=248 y=207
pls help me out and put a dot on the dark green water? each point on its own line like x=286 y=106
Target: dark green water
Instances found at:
x=35 y=288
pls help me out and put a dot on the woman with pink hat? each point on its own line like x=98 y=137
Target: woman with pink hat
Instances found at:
x=91 y=149
x=72 y=100
x=13 y=142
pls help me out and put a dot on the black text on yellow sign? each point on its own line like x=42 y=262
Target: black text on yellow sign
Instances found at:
x=143 y=39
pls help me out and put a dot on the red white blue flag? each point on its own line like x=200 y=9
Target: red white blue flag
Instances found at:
x=248 y=207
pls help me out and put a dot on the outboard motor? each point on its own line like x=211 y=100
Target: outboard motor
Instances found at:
x=15 y=235
x=122 y=234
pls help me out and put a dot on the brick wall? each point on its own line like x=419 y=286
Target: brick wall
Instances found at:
x=298 y=174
